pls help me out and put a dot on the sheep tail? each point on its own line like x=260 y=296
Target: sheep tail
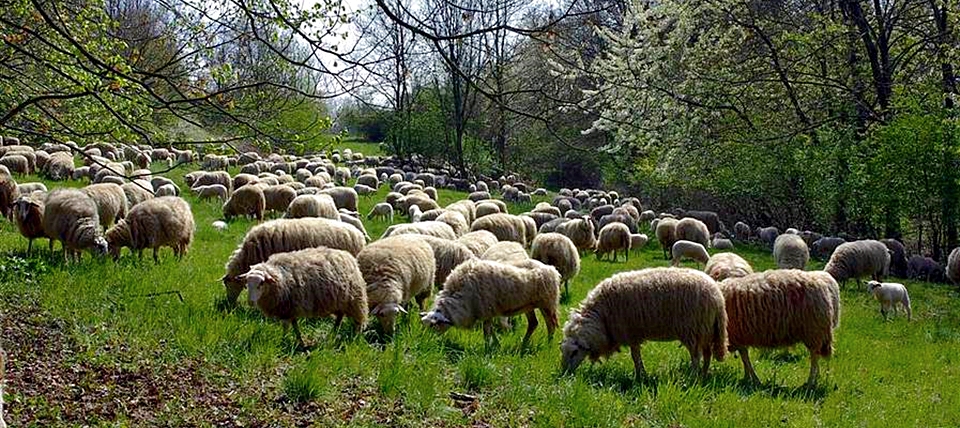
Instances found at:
x=719 y=337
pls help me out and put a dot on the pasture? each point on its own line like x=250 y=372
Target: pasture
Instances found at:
x=133 y=343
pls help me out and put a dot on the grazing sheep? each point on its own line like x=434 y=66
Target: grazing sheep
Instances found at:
x=925 y=269
x=419 y=200
x=741 y=231
x=889 y=294
x=581 y=232
x=211 y=191
x=618 y=218
x=160 y=222
x=465 y=207
x=481 y=290
x=246 y=201
x=217 y=177
x=381 y=210
x=768 y=235
x=312 y=206
x=657 y=304
x=396 y=269
x=780 y=308
x=727 y=265
x=310 y=283
x=278 y=198
x=70 y=216
x=59 y=167
x=506 y=252
x=666 y=231
x=167 y=190
x=688 y=250
x=614 y=237
x=242 y=179
x=16 y=163
x=505 y=227
x=500 y=204
x=448 y=255
x=721 y=243
x=790 y=252
x=429 y=228
x=558 y=251
x=953 y=266
x=456 y=221
x=824 y=247
x=898 y=257
x=111 y=202
x=478 y=241
x=369 y=180
x=486 y=208
x=9 y=192
x=343 y=197
x=28 y=215
x=136 y=193
x=708 y=218
x=638 y=241
x=283 y=235
x=356 y=223
x=693 y=230
x=858 y=259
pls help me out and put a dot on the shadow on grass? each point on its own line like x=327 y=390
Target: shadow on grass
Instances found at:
x=803 y=393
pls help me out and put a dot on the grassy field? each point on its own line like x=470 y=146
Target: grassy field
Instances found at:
x=132 y=343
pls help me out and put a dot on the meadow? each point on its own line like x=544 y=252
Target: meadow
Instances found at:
x=133 y=343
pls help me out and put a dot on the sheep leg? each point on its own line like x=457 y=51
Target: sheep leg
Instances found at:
x=626 y=253
x=531 y=326
x=156 y=260
x=638 y=371
x=29 y=246
x=566 y=287
x=488 y=336
x=550 y=316
x=51 y=245
x=707 y=354
x=336 y=322
x=814 y=370
x=694 y=358
x=749 y=375
x=906 y=306
x=296 y=332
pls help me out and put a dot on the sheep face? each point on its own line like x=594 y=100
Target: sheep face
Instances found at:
x=436 y=320
x=872 y=285
x=100 y=246
x=257 y=281
x=574 y=352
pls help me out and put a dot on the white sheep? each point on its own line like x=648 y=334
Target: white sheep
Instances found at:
x=248 y=200
x=506 y=252
x=431 y=228
x=953 y=266
x=111 y=202
x=381 y=210
x=688 y=250
x=396 y=269
x=889 y=294
x=638 y=241
x=790 y=252
x=478 y=241
x=858 y=259
x=312 y=206
x=614 y=237
x=160 y=222
x=481 y=290
x=505 y=227
x=314 y=283
x=581 y=232
x=70 y=216
x=560 y=252
x=666 y=231
x=727 y=265
x=211 y=191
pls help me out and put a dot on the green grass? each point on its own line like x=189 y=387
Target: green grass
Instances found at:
x=357 y=144
x=891 y=373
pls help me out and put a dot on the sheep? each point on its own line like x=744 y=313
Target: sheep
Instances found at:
x=246 y=201
x=28 y=215
x=283 y=235
x=219 y=225
x=709 y=218
x=9 y=192
x=953 y=266
x=448 y=255
x=481 y=290
x=560 y=252
x=59 y=167
x=889 y=294
x=688 y=250
x=505 y=227
x=650 y=304
x=666 y=231
x=111 y=202
x=313 y=282
x=614 y=237
x=369 y=180
x=312 y=206
x=356 y=223
x=395 y=270
x=429 y=228
x=727 y=265
x=824 y=247
x=478 y=241
x=898 y=257
x=721 y=243
x=160 y=222
x=166 y=190
x=136 y=193
x=216 y=177
x=691 y=229
x=618 y=218
x=16 y=163
x=343 y=197
x=790 y=252
x=456 y=221
x=242 y=179
x=70 y=216
x=741 y=231
x=925 y=269
x=506 y=252
x=768 y=235
x=638 y=241
x=381 y=210
x=486 y=208
x=780 y=308
x=858 y=259
x=581 y=232
x=478 y=196
x=466 y=208
x=530 y=229
x=414 y=214
x=500 y=204
x=277 y=198
x=211 y=191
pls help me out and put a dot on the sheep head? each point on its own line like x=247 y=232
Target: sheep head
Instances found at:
x=436 y=320
x=257 y=280
x=573 y=350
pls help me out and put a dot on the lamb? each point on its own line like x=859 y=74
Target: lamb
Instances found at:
x=727 y=265
x=312 y=206
x=219 y=225
x=505 y=227
x=211 y=191
x=309 y=283
x=560 y=252
x=414 y=214
x=246 y=201
x=614 y=237
x=858 y=259
x=70 y=216
x=343 y=197
x=481 y=290
x=688 y=250
x=283 y=235
x=889 y=294
x=478 y=241
x=160 y=222
x=638 y=241
x=506 y=252
x=448 y=255
x=780 y=308
x=790 y=252
x=953 y=266
x=651 y=304
x=396 y=269
x=28 y=215
x=111 y=202
x=581 y=232
x=691 y=229
x=666 y=231
x=429 y=228
x=381 y=210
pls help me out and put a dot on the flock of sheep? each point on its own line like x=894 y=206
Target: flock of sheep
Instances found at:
x=488 y=264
